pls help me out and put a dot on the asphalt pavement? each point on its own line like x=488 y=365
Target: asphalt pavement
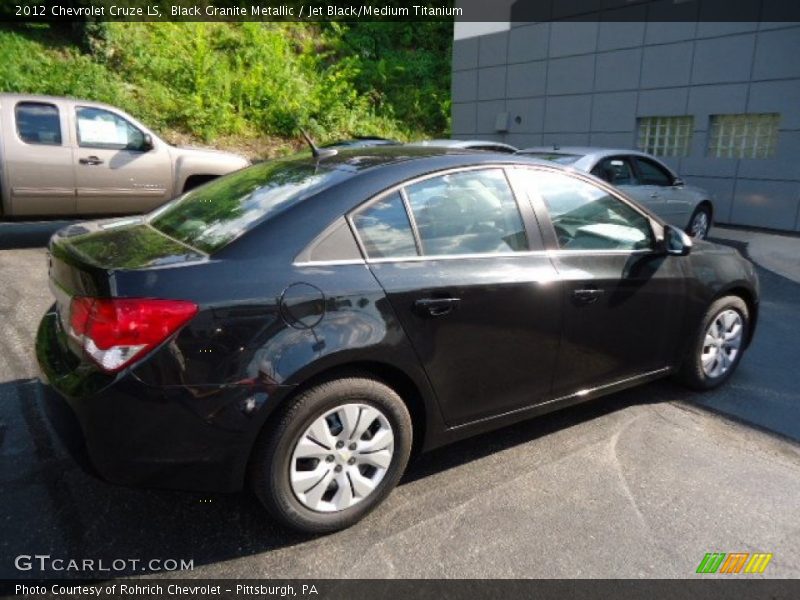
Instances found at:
x=639 y=484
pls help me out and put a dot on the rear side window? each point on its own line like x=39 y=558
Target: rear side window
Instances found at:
x=38 y=123
x=212 y=216
x=469 y=212
x=384 y=228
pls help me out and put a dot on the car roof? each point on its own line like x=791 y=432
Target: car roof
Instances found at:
x=46 y=98
x=356 y=160
x=446 y=143
x=582 y=151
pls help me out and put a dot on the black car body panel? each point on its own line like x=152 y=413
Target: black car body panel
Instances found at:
x=271 y=321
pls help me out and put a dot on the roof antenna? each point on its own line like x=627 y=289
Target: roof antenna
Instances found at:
x=318 y=152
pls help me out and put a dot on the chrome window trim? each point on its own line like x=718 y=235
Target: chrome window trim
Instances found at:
x=437 y=257
x=330 y=263
x=400 y=188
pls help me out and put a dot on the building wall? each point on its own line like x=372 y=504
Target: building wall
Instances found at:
x=587 y=82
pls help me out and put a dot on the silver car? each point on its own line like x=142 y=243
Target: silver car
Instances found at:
x=484 y=145
x=642 y=177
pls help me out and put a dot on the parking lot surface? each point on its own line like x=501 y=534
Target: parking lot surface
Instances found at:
x=639 y=484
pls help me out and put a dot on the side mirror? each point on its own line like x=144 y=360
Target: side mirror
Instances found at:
x=676 y=241
x=678 y=182
x=147 y=142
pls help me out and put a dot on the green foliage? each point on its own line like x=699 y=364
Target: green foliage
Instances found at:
x=246 y=79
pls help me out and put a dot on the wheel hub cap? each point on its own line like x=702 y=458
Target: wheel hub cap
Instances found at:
x=341 y=457
x=722 y=343
x=700 y=225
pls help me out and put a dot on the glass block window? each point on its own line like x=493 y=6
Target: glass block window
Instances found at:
x=752 y=135
x=665 y=136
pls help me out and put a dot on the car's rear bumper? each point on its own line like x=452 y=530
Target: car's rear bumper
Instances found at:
x=140 y=434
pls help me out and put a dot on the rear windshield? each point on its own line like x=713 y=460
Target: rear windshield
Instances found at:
x=212 y=216
x=563 y=159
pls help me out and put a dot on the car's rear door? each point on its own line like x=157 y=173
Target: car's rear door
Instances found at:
x=38 y=157
x=623 y=301
x=115 y=171
x=463 y=267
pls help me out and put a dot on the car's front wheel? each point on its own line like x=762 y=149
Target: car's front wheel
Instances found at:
x=333 y=454
x=700 y=223
x=718 y=345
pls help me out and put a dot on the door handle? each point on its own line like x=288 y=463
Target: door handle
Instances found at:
x=90 y=160
x=654 y=194
x=587 y=295
x=436 y=307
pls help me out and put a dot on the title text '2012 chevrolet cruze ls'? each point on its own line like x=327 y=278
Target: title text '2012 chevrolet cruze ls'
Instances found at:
x=301 y=325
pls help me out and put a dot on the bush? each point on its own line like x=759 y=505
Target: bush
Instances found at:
x=246 y=79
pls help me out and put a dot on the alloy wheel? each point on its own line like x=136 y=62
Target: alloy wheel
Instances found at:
x=722 y=343
x=700 y=225
x=341 y=457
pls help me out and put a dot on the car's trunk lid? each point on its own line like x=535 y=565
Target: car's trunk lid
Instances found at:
x=85 y=258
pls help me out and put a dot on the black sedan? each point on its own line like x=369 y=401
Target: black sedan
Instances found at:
x=306 y=324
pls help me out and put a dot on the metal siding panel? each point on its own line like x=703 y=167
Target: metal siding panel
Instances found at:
x=570 y=75
x=614 y=111
x=762 y=203
x=723 y=59
x=668 y=65
x=618 y=70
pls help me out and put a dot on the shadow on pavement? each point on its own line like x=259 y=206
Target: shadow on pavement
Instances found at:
x=765 y=391
x=28 y=234
x=60 y=509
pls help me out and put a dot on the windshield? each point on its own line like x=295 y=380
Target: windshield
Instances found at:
x=562 y=159
x=212 y=216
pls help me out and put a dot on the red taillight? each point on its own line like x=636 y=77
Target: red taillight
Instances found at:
x=115 y=331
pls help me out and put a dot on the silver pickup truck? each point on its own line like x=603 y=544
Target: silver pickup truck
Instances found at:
x=60 y=156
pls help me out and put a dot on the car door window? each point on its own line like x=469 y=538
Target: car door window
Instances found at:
x=38 y=123
x=651 y=173
x=586 y=217
x=98 y=128
x=616 y=171
x=468 y=212
x=384 y=228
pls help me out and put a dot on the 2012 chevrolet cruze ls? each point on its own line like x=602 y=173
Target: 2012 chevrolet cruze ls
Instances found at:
x=303 y=324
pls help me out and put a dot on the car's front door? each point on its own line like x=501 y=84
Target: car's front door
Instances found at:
x=115 y=170
x=477 y=296
x=620 y=172
x=623 y=300
x=673 y=203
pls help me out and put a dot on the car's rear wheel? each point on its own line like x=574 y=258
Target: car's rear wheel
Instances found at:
x=718 y=344
x=333 y=454
x=700 y=223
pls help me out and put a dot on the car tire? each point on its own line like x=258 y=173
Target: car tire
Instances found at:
x=700 y=223
x=718 y=344
x=288 y=458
